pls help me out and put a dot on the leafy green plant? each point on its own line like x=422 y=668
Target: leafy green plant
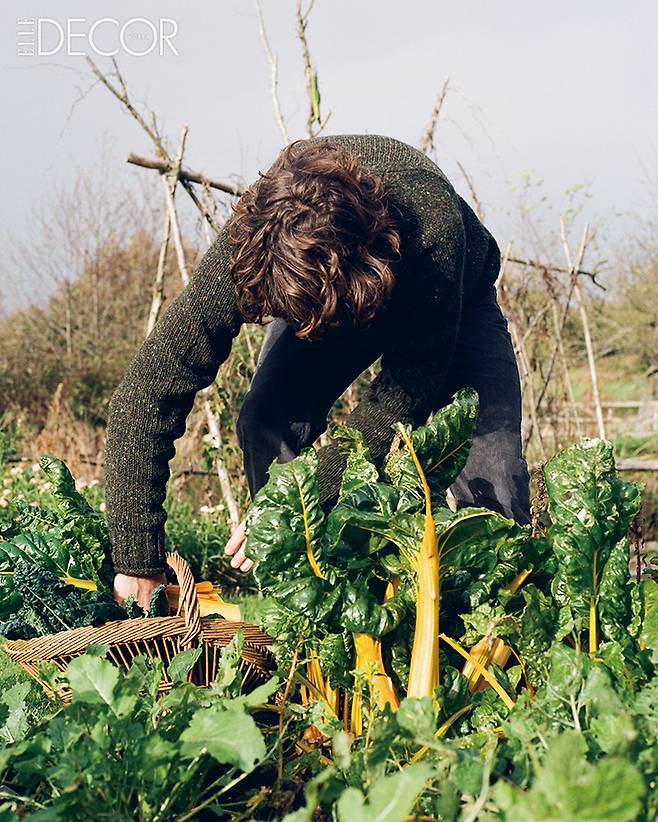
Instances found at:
x=121 y=753
x=551 y=714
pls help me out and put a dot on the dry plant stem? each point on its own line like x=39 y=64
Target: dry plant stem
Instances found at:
x=201 y=206
x=524 y=362
x=122 y=96
x=532 y=264
x=284 y=700
x=165 y=162
x=532 y=402
x=571 y=398
x=302 y=19
x=220 y=466
x=427 y=140
x=559 y=327
x=175 y=229
x=158 y=285
x=169 y=187
x=183 y=175
x=582 y=307
x=273 y=61
x=213 y=423
x=479 y=209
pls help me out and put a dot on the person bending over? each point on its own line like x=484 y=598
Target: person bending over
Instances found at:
x=354 y=247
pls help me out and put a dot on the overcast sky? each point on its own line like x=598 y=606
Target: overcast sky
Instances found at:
x=563 y=92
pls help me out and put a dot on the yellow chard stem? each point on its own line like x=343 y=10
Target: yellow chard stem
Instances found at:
x=490 y=678
x=369 y=660
x=517 y=582
x=307 y=535
x=424 y=669
x=593 y=639
x=442 y=730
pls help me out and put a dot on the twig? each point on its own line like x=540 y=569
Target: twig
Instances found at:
x=211 y=419
x=533 y=264
x=158 y=283
x=170 y=179
x=273 y=61
x=524 y=362
x=183 y=175
x=559 y=326
x=124 y=99
x=479 y=210
x=427 y=140
x=220 y=466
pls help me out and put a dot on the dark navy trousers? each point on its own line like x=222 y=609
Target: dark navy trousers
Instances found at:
x=296 y=382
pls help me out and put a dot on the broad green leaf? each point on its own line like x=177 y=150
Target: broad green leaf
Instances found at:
x=649 y=629
x=390 y=799
x=14 y=699
x=93 y=680
x=182 y=664
x=417 y=718
x=590 y=509
x=442 y=448
x=568 y=787
x=285 y=523
x=259 y=695
x=359 y=471
x=227 y=733
x=610 y=721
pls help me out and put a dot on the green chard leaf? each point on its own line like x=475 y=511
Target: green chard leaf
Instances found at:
x=442 y=448
x=591 y=510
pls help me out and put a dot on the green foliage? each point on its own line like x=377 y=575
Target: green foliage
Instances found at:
x=120 y=752
x=580 y=740
x=67 y=537
x=48 y=605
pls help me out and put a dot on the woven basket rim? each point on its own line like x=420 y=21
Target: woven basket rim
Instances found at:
x=117 y=632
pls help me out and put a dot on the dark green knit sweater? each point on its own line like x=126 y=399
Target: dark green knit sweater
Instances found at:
x=446 y=255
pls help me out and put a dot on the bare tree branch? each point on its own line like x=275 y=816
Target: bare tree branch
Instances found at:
x=185 y=176
x=273 y=61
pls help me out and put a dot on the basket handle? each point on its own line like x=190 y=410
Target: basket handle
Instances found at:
x=187 y=598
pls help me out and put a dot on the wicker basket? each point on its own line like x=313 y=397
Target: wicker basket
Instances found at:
x=161 y=637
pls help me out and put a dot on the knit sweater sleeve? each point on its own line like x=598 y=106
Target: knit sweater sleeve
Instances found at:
x=416 y=361
x=149 y=408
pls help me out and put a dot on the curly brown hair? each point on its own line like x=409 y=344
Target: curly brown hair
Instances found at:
x=313 y=241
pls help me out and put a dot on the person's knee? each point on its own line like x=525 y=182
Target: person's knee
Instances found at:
x=504 y=489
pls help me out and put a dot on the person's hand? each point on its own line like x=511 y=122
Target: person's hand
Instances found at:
x=235 y=548
x=139 y=587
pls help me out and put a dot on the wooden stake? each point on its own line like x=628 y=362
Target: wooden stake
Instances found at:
x=582 y=308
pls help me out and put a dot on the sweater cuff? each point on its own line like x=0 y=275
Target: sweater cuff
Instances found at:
x=330 y=472
x=139 y=553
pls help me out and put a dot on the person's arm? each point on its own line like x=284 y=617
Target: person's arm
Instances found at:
x=149 y=408
x=415 y=365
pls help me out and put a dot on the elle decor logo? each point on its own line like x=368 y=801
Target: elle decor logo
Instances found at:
x=106 y=37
